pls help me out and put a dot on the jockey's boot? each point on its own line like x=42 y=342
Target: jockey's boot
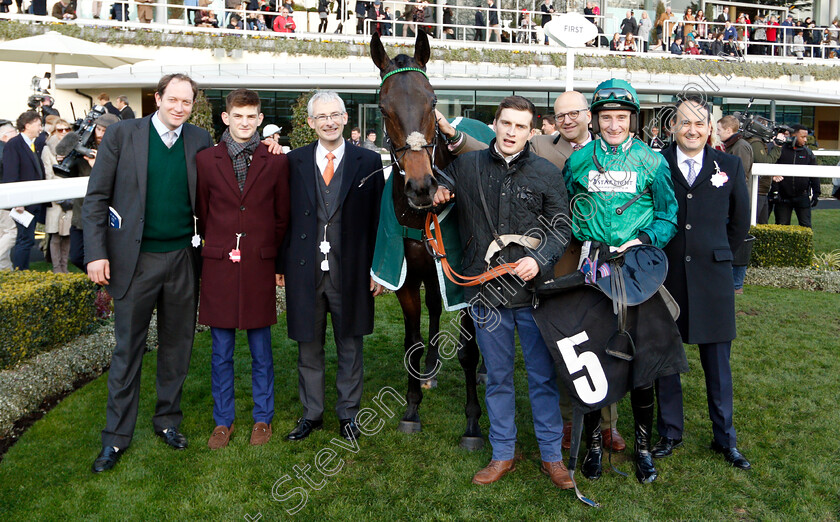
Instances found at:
x=642 y=401
x=591 y=466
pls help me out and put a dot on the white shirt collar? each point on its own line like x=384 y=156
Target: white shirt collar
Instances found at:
x=507 y=159
x=163 y=129
x=698 y=159
x=321 y=155
x=27 y=140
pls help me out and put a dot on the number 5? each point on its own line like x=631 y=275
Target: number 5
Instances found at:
x=588 y=361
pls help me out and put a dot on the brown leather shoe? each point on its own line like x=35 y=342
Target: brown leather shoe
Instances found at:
x=260 y=434
x=220 y=437
x=567 y=436
x=558 y=473
x=612 y=439
x=494 y=471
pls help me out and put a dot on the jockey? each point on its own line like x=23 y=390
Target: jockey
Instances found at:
x=621 y=195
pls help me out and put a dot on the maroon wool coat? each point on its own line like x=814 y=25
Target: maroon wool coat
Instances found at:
x=240 y=295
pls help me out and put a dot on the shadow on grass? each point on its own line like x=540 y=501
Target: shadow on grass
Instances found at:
x=785 y=367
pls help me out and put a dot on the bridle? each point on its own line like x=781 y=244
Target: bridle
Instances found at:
x=433 y=241
x=397 y=153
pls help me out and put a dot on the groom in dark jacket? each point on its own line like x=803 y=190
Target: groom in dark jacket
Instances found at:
x=522 y=219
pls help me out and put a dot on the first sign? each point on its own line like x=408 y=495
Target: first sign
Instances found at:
x=571 y=30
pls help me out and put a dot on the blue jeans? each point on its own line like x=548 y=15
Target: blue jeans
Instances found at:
x=495 y=336
x=738 y=274
x=262 y=374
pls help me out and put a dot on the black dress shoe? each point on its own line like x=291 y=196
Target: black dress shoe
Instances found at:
x=665 y=447
x=107 y=459
x=304 y=428
x=173 y=437
x=348 y=429
x=732 y=456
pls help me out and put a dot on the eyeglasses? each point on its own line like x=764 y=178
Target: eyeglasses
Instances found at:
x=573 y=115
x=616 y=93
x=63 y=129
x=322 y=118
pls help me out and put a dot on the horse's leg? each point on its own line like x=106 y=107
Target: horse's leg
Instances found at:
x=468 y=357
x=435 y=308
x=409 y=297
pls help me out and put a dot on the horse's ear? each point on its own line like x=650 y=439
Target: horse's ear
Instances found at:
x=378 y=54
x=422 y=51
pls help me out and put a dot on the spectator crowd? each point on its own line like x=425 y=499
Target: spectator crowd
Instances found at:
x=690 y=33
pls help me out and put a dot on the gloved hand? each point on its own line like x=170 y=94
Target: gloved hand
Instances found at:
x=814 y=201
x=66 y=204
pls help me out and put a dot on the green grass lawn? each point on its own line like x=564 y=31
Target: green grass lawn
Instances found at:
x=785 y=367
x=826 y=226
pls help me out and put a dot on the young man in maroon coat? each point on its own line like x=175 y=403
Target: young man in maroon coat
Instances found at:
x=243 y=211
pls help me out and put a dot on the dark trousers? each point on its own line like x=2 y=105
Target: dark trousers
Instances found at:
x=763 y=210
x=164 y=281
x=77 y=248
x=23 y=245
x=262 y=374
x=714 y=358
x=782 y=212
x=311 y=365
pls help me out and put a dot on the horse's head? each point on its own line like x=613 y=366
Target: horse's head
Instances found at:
x=407 y=102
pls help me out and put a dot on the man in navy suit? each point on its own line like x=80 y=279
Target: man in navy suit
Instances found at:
x=712 y=222
x=21 y=162
x=335 y=191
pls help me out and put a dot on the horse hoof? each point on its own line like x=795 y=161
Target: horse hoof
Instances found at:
x=429 y=384
x=409 y=427
x=482 y=378
x=472 y=443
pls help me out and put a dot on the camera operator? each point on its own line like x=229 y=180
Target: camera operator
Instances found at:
x=47 y=107
x=796 y=194
x=764 y=152
x=82 y=169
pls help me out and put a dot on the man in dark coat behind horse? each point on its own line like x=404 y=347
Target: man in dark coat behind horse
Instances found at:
x=572 y=118
x=713 y=220
x=243 y=210
x=525 y=198
x=335 y=190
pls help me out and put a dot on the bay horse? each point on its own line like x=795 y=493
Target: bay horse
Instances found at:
x=407 y=103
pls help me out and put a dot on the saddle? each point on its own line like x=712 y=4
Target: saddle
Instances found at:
x=628 y=279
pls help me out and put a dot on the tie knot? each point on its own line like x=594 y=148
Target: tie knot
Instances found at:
x=330 y=156
x=689 y=162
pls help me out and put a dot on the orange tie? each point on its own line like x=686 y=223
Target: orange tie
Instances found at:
x=330 y=170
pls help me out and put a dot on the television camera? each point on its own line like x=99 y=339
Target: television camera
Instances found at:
x=85 y=128
x=763 y=128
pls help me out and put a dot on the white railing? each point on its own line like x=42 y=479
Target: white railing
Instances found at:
x=784 y=170
x=33 y=192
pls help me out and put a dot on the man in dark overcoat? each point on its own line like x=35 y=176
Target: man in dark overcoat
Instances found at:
x=138 y=223
x=22 y=162
x=712 y=222
x=335 y=190
x=243 y=212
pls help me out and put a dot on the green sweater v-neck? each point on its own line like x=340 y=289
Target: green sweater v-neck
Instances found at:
x=168 y=224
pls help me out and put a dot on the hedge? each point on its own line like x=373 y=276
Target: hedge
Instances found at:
x=782 y=245
x=40 y=311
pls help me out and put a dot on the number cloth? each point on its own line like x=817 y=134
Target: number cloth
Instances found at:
x=593 y=378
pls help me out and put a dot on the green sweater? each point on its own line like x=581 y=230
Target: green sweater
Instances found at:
x=168 y=224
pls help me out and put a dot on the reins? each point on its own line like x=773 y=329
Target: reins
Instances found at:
x=433 y=241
